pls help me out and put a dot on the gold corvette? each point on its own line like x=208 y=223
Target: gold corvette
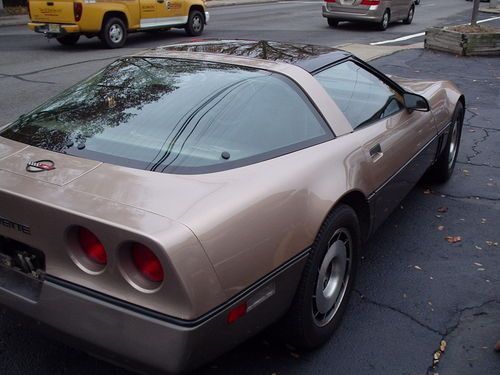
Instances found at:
x=183 y=199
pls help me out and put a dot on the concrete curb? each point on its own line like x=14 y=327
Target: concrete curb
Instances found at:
x=490 y=10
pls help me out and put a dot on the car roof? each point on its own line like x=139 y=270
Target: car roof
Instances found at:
x=307 y=56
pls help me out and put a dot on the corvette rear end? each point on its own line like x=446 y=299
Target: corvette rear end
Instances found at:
x=119 y=279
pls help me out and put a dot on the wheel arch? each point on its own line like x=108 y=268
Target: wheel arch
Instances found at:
x=121 y=14
x=198 y=8
x=359 y=203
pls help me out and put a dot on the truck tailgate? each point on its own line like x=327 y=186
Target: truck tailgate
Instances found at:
x=53 y=11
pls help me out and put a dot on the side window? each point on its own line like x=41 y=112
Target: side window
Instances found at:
x=360 y=95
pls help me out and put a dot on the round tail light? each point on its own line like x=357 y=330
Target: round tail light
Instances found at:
x=147 y=263
x=92 y=247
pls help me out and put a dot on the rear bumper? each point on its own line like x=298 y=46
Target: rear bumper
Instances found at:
x=44 y=28
x=370 y=15
x=144 y=340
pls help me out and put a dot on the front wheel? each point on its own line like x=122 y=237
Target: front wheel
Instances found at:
x=327 y=281
x=69 y=39
x=114 y=33
x=410 y=15
x=443 y=168
x=196 y=23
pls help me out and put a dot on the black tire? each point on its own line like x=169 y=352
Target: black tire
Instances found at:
x=68 y=40
x=332 y=22
x=409 y=17
x=442 y=170
x=305 y=326
x=114 y=33
x=384 y=22
x=195 y=24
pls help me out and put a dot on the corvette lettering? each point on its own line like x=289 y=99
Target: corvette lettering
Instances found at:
x=16 y=226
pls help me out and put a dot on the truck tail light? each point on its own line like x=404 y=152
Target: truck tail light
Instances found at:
x=92 y=247
x=77 y=10
x=147 y=263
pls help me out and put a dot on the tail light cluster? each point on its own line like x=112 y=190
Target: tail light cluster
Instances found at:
x=330 y=1
x=77 y=10
x=370 y=2
x=139 y=263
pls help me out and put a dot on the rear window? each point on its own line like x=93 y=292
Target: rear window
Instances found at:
x=178 y=116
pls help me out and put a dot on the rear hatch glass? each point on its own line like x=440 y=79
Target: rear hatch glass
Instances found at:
x=169 y=115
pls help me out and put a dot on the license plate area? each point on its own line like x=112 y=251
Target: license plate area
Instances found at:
x=54 y=28
x=22 y=269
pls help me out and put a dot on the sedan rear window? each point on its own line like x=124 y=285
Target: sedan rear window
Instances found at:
x=178 y=116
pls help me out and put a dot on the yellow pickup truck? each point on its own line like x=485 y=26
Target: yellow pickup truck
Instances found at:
x=112 y=20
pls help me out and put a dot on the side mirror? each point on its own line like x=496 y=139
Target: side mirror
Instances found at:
x=414 y=102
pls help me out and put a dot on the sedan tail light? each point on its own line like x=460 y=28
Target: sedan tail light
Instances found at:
x=330 y=1
x=92 y=247
x=370 y=2
x=147 y=263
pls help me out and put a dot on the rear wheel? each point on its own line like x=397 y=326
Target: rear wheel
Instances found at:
x=443 y=168
x=410 y=15
x=332 y=22
x=114 y=33
x=196 y=23
x=384 y=22
x=68 y=40
x=327 y=281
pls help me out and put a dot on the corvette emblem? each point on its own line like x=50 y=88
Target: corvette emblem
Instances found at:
x=40 y=166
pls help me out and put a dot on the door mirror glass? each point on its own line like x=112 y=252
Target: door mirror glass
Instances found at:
x=416 y=102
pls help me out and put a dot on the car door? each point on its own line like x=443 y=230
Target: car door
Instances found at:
x=396 y=143
x=157 y=13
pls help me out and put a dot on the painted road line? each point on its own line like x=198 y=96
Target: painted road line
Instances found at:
x=420 y=34
x=398 y=39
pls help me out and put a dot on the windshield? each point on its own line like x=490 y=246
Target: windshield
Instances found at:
x=179 y=116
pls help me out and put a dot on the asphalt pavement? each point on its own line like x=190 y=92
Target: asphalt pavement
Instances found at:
x=414 y=289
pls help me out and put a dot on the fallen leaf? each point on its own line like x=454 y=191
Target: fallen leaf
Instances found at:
x=439 y=216
x=489 y=243
x=404 y=295
x=478 y=264
x=427 y=191
x=483 y=221
x=472 y=131
x=437 y=355
x=442 y=345
x=490 y=184
x=481 y=269
x=417 y=268
x=442 y=209
x=478 y=247
x=453 y=239
x=294 y=355
x=441 y=227
x=430 y=277
x=466 y=172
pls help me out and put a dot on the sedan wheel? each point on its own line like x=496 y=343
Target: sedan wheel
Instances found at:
x=327 y=281
x=384 y=22
x=410 y=15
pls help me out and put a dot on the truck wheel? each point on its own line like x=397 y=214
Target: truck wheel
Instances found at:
x=327 y=281
x=68 y=40
x=195 y=24
x=114 y=33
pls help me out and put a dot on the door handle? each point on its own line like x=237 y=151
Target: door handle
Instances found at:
x=376 y=152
